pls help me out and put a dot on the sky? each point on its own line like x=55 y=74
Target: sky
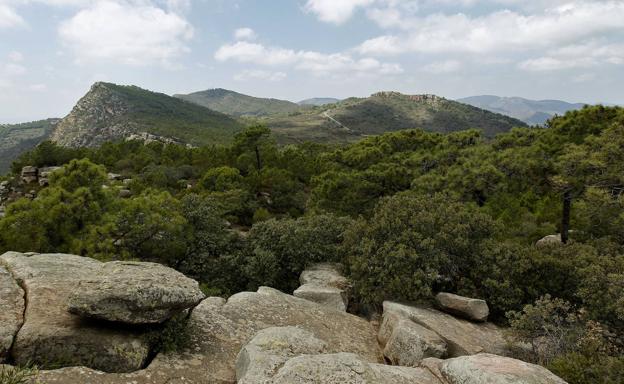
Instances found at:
x=51 y=51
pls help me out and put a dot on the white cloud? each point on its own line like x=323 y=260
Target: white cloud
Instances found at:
x=245 y=34
x=134 y=33
x=335 y=11
x=16 y=56
x=503 y=30
x=554 y=64
x=9 y=72
x=440 y=67
x=9 y=18
x=310 y=61
x=255 y=74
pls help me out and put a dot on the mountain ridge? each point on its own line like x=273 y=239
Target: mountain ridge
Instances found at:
x=111 y=112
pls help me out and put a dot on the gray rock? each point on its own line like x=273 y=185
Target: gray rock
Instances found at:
x=258 y=361
x=114 y=177
x=11 y=311
x=465 y=307
x=323 y=283
x=409 y=343
x=549 y=241
x=292 y=355
x=134 y=293
x=50 y=335
x=340 y=368
x=29 y=174
x=125 y=193
x=324 y=274
x=492 y=369
x=461 y=336
x=329 y=297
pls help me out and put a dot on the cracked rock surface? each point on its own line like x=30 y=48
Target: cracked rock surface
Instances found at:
x=11 y=311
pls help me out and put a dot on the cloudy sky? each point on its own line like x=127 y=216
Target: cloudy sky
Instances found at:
x=51 y=51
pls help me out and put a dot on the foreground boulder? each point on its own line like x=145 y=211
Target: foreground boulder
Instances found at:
x=50 y=335
x=11 y=311
x=492 y=369
x=292 y=355
x=465 y=307
x=219 y=329
x=406 y=343
x=462 y=337
x=134 y=293
x=324 y=284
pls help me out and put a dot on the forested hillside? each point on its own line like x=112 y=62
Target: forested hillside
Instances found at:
x=112 y=112
x=18 y=138
x=409 y=213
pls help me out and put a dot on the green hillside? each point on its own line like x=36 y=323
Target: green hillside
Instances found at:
x=111 y=112
x=354 y=118
x=236 y=104
x=17 y=138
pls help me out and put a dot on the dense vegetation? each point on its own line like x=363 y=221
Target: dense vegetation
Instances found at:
x=409 y=213
x=18 y=138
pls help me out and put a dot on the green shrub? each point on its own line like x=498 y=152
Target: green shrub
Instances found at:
x=17 y=375
x=412 y=243
x=172 y=336
x=278 y=250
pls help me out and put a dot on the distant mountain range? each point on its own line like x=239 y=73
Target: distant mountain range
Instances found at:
x=533 y=112
x=111 y=112
x=236 y=104
x=319 y=101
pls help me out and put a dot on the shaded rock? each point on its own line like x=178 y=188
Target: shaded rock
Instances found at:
x=51 y=335
x=409 y=343
x=323 y=283
x=330 y=297
x=29 y=174
x=125 y=193
x=462 y=337
x=492 y=369
x=44 y=175
x=115 y=177
x=134 y=293
x=466 y=307
x=11 y=311
x=549 y=240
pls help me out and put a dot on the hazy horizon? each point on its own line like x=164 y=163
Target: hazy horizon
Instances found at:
x=53 y=50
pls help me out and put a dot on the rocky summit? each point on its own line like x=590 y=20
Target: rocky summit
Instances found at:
x=253 y=337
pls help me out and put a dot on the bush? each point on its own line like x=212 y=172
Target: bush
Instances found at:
x=279 y=250
x=172 y=336
x=414 y=243
x=17 y=375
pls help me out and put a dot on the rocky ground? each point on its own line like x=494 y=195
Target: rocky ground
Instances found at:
x=83 y=321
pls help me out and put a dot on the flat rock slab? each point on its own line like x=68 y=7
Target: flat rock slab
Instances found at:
x=324 y=274
x=134 y=293
x=11 y=311
x=492 y=369
x=461 y=336
x=465 y=307
x=292 y=355
x=50 y=335
x=220 y=329
x=329 y=297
